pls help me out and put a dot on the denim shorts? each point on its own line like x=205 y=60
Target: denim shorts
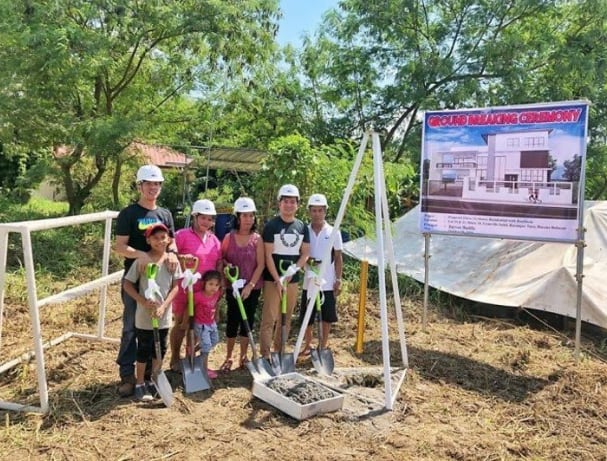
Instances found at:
x=208 y=335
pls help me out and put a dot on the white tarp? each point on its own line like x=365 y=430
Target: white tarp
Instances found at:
x=505 y=272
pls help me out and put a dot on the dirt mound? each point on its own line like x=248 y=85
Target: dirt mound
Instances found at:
x=473 y=390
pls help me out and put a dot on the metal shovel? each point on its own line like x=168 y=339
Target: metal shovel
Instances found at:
x=259 y=368
x=163 y=387
x=283 y=362
x=322 y=359
x=195 y=377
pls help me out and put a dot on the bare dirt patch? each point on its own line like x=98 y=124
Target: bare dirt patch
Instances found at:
x=486 y=390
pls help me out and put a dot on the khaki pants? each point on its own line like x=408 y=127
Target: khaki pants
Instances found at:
x=270 y=329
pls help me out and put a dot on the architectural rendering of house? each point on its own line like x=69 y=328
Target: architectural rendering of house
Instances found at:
x=515 y=166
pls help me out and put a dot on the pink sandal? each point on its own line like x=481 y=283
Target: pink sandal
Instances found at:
x=212 y=373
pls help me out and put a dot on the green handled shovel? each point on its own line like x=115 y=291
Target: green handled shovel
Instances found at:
x=282 y=361
x=163 y=387
x=259 y=367
x=322 y=359
x=195 y=377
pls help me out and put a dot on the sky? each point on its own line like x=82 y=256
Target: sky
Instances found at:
x=301 y=16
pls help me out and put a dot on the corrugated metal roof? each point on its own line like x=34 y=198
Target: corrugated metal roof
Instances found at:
x=225 y=158
x=162 y=156
x=231 y=158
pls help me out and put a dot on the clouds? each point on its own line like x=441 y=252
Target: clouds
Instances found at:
x=564 y=145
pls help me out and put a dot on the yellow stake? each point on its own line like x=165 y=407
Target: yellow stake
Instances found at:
x=364 y=275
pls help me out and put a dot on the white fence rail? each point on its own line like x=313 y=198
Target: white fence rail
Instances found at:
x=25 y=228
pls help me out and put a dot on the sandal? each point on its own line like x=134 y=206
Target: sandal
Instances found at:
x=175 y=367
x=226 y=366
x=306 y=352
x=243 y=363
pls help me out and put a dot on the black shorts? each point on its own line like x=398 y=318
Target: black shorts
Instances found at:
x=328 y=309
x=145 y=344
x=234 y=319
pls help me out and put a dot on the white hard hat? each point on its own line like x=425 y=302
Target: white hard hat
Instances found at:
x=244 y=205
x=288 y=190
x=204 y=206
x=149 y=173
x=317 y=200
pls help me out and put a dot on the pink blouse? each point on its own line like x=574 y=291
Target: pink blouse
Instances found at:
x=244 y=257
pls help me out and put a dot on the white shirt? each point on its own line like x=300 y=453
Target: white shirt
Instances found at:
x=319 y=244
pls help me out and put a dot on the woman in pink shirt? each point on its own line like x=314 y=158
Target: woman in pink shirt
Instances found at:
x=196 y=241
x=242 y=248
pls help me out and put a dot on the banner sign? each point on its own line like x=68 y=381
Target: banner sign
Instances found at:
x=511 y=172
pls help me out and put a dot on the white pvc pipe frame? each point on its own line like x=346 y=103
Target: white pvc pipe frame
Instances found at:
x=25 y=228
x=385 y=246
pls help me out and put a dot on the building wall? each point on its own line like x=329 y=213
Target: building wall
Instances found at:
x=50 y=191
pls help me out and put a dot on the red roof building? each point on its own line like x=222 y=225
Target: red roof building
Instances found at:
x=161 y=156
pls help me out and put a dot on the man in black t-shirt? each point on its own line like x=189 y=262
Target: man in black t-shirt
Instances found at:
x=131 y=243
x=285 y=238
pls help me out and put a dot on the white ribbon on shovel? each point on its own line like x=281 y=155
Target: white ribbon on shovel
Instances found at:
x=189 y=278
x=236 y=286
x=291 y=270
x=317 y=280
x=153 y=291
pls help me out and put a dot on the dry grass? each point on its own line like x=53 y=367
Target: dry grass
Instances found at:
x=487 y=390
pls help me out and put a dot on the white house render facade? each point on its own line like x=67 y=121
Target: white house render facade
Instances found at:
x=509 y=169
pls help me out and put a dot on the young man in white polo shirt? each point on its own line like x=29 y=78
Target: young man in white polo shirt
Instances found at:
x=320 y=234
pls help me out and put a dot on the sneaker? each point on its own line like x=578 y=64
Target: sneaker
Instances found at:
x=127 y=386
x=212 y=373
x=151 y=387
x=142 y=394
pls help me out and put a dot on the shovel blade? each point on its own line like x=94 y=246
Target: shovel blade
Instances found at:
x=323 y=362
x=326 y=358
x=263 y=368
x=287 y=363
x=254 y=372
x=195 y=377
x=275 y=362
x=258 y=370
x=316 y=361
x=164 y=389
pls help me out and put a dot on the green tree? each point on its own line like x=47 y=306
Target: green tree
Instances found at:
x=20 y=170
x=83 y=78
x=326 y=170
x=575 y=67
x=572 y=169
x=290 y=160
x=384 y=62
